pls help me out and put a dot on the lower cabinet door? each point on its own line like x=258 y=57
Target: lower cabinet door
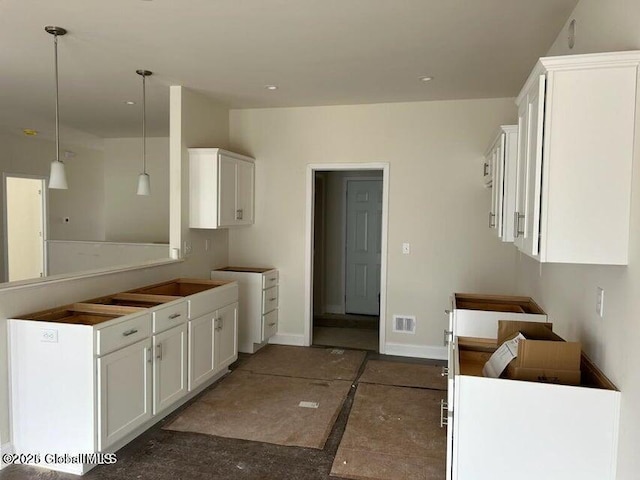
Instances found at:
x=124 y=391
x=226 y=344
x=169 y=367
x=201 y=349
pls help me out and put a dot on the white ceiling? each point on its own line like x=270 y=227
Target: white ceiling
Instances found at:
x=319 y=52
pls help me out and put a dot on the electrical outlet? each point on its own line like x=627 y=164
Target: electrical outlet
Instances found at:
x=187 y=247
x=49 y=335
x=406 y=248
x=600 y=302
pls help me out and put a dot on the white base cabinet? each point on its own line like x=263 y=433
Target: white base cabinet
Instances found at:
x=169 y=367
x=82 y=388
x=258 y=309
x=125 y=392
x=500 y=428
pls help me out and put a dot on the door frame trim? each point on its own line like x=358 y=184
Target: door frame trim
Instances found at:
x=308 y=288
x=45 y=220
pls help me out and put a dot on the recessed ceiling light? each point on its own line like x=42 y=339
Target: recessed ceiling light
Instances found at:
x=426 y=79
x=130 y=102
x=271 y=87
x=29 y=132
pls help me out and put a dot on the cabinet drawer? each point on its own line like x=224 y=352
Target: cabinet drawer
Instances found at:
x=210 y=300
x=126 y=333
x=269 y=325
x=269 y=299
x=168 y=317
x=270 y=279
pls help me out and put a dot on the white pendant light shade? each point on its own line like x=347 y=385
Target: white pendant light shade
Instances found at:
x=144 y=184
x=58 y=176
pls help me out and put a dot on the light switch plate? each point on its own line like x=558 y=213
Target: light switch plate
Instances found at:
x=600 y=302
x=406 y=248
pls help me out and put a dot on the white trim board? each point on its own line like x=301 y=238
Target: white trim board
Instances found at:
x=5 y=448
x=292 y=339
x=308 y=260
x=416 y=351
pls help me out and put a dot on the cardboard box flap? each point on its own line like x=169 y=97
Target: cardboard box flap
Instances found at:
x=545 y=354
x=508 y=329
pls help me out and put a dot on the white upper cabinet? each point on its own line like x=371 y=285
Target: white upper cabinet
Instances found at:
x=503 y=156
x=221 y=188
x=576 y=121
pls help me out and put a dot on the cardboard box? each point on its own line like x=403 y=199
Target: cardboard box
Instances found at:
x=543 y=356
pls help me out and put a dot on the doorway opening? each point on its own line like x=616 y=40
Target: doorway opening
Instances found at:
x=25 y=205
x=348 y=256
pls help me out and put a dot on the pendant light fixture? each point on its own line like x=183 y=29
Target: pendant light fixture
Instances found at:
x=144 y=183
x=57 y=176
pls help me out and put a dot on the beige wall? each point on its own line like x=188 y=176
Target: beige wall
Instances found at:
x=130 y=217
x=437 y=199
x=83 y=203
x=568 y=292
x=185 y=128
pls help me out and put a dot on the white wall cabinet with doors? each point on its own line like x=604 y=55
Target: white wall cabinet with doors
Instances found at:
x=221 y=188
x=90 y=377
x=258 y=311
x=496 y=426
x=503 y=155
x=577 y=126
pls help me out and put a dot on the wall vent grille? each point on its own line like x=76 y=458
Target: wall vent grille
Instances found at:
x=404 y=324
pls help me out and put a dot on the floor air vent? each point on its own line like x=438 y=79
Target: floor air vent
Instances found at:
x=404 y=324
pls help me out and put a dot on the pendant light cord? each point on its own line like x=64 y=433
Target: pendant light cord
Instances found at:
x=144 y=125
x=55 y=56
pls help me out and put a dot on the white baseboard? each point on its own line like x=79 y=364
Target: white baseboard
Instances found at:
x=418 y=351
x=334 y=309
x=287 y=339
x=5 y=448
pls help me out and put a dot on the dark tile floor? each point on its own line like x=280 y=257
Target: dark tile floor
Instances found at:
x=168 y=455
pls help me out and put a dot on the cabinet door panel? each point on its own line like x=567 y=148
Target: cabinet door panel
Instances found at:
x=227 y=188
x=124 y=381
x=245 y=182
x=521 y=174
x=226 y=345
x=201 y=350
x=169 y=367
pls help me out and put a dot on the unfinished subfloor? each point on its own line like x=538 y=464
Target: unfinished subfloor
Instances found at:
x=160 y=454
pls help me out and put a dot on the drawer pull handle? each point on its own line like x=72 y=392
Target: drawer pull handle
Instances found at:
x=272 y=324
x=149 y=356
x=445 y=372
x=492 y=224
x=174 y=315
x=130 y=332
x=272 y=299
x=444 y=421
x=159 y=350
x=272 y=279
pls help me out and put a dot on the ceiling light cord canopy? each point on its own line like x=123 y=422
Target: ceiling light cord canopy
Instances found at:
x=57 y=175
x=144 y=181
